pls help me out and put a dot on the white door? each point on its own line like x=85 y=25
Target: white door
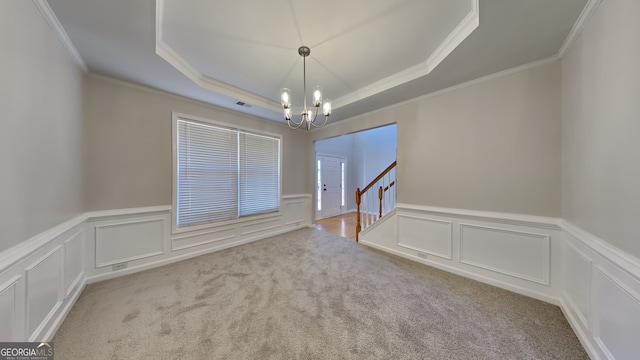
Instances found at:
x=330 y=186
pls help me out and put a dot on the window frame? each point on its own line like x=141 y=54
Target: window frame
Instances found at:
x=175 y=116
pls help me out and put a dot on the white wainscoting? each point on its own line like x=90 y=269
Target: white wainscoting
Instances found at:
x=41 y=278
x=596 y=285
x=601 y=295
x=514 y=252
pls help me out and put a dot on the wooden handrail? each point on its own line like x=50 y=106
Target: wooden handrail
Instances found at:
x=381 y=192
x=383 y=173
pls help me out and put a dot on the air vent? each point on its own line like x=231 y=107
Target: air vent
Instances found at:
x=243 y=104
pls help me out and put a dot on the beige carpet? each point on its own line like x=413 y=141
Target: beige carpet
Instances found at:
x=308 y=295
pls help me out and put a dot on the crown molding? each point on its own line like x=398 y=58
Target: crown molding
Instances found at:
x=455 y=38
x=62 y=35
x=166 y=52
x=470 y=22
x=494 y=76
x=579 y=26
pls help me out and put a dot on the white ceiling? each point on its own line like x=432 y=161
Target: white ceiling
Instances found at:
x=365 y=54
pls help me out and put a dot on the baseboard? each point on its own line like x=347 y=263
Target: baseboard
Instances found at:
x=42 y=278
x=596 y=285
x=467 y=274
x=601 y=294
x=192 y=254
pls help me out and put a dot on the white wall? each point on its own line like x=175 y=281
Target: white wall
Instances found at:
x=601 y=123
x=41 y=139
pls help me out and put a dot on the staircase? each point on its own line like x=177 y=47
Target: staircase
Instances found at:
x=376 y=199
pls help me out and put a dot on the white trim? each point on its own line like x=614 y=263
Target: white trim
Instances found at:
x=470 y=22
x=166 y=52
x=505 y=218
x=622 y=260
x=38 y=330
x=490 y=77
x=20 y=251
x=444 y=256
x=580 y=24
x=175 y=117
x=546 y=264
x=518 y=289
x=62 y=35
x=150 y=265
x=99 y=243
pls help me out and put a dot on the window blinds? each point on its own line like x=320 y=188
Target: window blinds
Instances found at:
x=224 y=173
x=259 y=174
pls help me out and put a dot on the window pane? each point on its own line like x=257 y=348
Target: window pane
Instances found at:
x=207 y=173
x=259 y=169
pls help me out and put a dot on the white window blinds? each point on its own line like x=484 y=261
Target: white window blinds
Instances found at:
x=223 y=173
x=259 y=174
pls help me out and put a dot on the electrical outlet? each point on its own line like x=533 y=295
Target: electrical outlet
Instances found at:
x=422 y=255
x=120 y=266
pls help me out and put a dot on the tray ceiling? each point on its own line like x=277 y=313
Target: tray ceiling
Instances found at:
x=364 y=54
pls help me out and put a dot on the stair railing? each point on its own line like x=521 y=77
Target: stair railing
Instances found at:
x=376 y=199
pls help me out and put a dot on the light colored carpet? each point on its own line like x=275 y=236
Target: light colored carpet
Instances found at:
x=308 y=295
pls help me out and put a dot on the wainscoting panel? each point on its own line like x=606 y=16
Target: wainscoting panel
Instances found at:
x=577 y=281
x=601 y=295
x=426 y=235
x=510 y=251
x=129 y=240
x=8 y=310
x=44 y=290
x=203 y=237
x=515 y=253
x=74 y=261
x=616 y=316
x=42 y=277
x=253 y=227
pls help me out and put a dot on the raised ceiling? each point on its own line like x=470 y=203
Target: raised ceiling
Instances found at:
x=365 y=54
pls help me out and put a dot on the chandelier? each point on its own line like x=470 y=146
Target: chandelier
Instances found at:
x=308 y=116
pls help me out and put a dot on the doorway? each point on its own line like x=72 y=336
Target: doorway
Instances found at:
x=330 y=185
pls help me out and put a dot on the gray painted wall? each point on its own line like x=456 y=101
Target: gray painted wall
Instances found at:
x=128 y=144
x=494 y=145
x=41 y=138
x=601 y=151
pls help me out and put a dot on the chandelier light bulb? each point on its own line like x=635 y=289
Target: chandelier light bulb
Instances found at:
x=285 y=98
x=326 y=107
x=317 y=96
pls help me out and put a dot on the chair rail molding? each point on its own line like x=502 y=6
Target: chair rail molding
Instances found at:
x=42 y=277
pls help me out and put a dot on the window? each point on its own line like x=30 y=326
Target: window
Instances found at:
x=319 y=187
x=223 y=173
x=342 y=185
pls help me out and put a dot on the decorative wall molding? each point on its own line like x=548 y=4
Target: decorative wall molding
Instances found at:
x=470 y=22
x=487 y=216
x=578 y=26
x=115 y=248
x=600 y=294
x=498 y=263
x=62 y=35
x=510 y=251
x=42 y=278
x=624 y=261
x=442 y=241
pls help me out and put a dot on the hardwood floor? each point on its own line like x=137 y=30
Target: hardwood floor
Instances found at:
x=342 y=225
